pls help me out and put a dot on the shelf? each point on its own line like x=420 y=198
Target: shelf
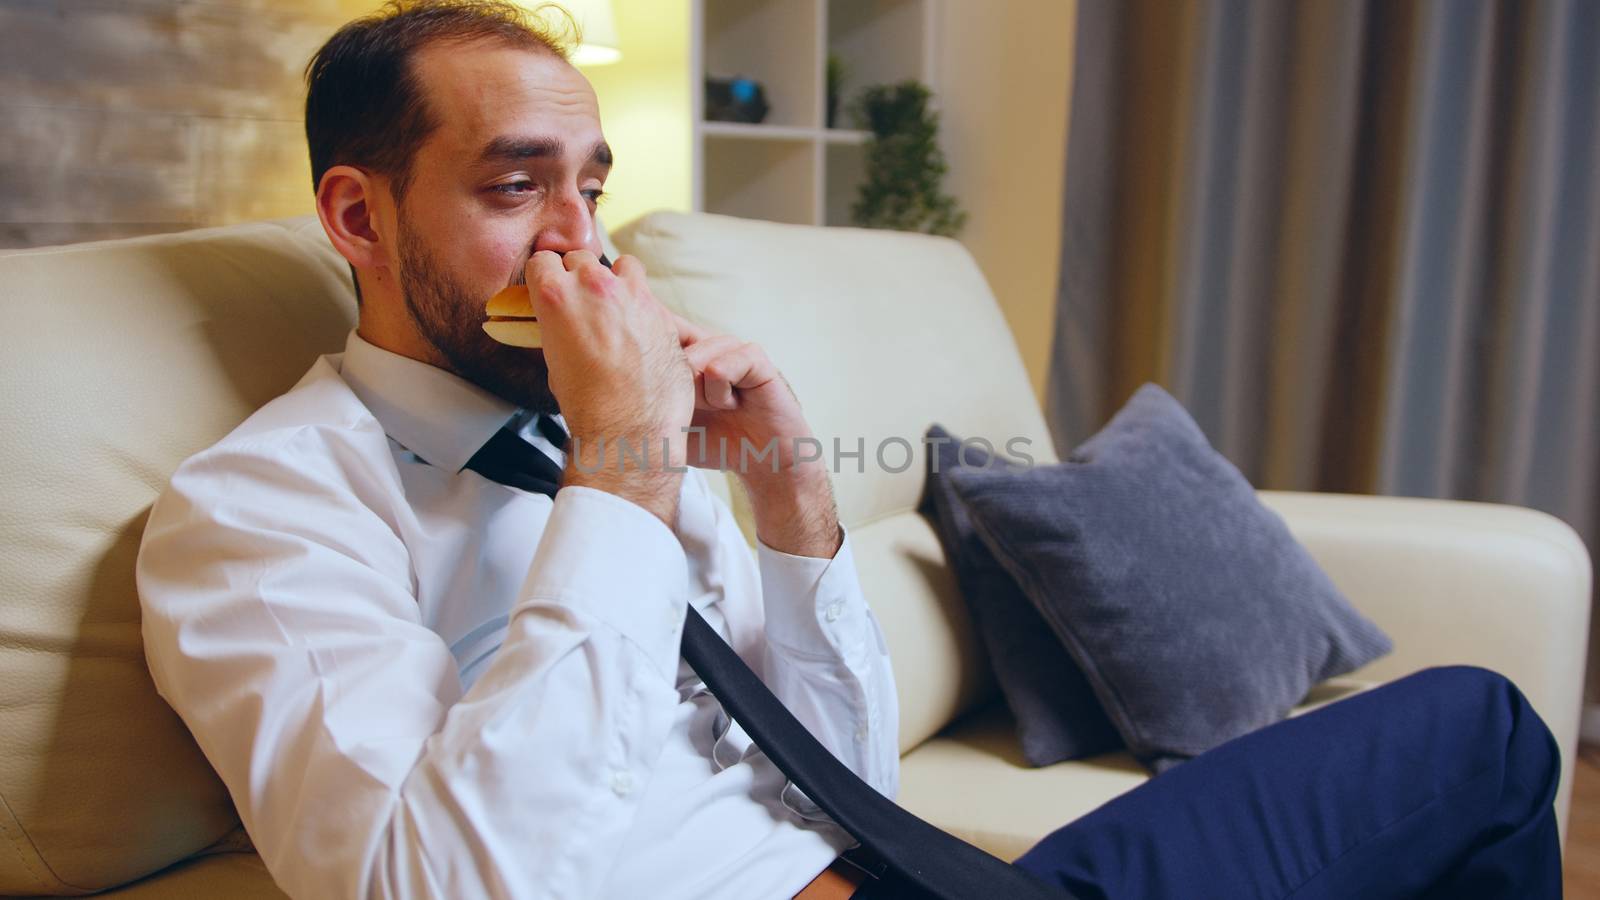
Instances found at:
x=765 y=132
x=845 y=136
x=757 y=132
x=790 y=168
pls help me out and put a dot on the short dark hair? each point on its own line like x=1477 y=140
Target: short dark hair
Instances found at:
x=364 y=103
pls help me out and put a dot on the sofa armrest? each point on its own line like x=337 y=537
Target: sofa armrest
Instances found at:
x=1496 y=586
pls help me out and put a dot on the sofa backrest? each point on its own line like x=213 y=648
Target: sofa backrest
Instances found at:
x=880 y=334
x=119 y=360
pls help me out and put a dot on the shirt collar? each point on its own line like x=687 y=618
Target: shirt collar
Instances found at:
x=435 y=414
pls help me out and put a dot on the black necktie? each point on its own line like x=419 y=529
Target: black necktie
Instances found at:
x=510 y=460
x=922 y=860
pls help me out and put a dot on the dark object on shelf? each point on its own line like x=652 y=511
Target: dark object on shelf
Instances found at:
x=905 y=167
x=837 y=71
x=735 y=100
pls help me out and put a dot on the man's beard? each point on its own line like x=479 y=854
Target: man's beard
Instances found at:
x=451 y=320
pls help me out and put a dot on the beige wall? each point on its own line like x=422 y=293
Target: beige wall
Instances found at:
x=645 y=109
x=1005 y=72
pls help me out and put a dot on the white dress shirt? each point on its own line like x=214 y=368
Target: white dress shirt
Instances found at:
x=416 y=682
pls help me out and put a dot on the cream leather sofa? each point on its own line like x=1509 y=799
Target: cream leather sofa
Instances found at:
x=122 y=358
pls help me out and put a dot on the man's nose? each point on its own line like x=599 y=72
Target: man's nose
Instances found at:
x=567 y=225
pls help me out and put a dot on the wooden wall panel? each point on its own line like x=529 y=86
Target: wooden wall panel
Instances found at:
x=122 y=117
x=95 y=165
x=249 y=170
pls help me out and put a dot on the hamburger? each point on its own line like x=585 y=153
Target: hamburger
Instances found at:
x=511 y=319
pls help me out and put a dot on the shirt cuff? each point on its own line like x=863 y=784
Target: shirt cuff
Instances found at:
x=813 y=605
x=612 y=559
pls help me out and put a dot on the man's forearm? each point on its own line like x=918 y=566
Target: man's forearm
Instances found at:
x=794 y=510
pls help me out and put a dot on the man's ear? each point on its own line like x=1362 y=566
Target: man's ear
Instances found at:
x=345 y=204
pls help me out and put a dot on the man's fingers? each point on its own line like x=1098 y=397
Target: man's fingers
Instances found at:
x=700 y=401
x=745 y=366
x=631 y=270
x=704 y=351
x=545 y=264
x=543 y=272
x=710 y=393
x=577 y=259
x=689 y=332
x=716 y=389
x=722 y=364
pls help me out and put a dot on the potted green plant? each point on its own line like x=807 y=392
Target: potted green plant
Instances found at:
x=836 y=74
x=905 y=168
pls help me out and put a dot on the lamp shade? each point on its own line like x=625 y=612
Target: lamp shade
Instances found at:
x=598 y=26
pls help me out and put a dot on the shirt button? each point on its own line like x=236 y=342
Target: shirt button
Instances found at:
x=833 y=611
x=621 y=783
x=861 y=732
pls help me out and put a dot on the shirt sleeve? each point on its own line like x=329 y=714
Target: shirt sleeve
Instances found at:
x=803 y=624
x=827 y=660
x=280 y=622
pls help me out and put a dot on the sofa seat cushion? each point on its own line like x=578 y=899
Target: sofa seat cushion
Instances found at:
x=236 y=876
x=939 y=665
x=972 y=780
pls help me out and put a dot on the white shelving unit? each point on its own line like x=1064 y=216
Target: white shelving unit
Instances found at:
x=791 y=168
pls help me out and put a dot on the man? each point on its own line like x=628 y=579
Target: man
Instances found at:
x=419 y=679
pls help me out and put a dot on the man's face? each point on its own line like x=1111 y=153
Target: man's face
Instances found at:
x=515 y=166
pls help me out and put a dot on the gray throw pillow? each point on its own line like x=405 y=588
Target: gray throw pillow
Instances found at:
x=1057 y=714
x=1194 y=613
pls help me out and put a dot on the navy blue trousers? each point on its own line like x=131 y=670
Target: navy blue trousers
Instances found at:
x=1437 y=785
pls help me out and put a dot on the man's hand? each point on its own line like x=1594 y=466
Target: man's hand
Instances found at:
x=618 y=370
x=752 y=424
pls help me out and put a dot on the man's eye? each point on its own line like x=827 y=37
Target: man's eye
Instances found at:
x=594 y=195
x=513 y=187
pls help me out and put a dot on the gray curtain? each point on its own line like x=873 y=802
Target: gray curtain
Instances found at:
x=1358 y=239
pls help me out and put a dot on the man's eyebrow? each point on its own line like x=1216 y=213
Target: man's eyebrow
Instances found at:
x=514 y=149
x=505 y=148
